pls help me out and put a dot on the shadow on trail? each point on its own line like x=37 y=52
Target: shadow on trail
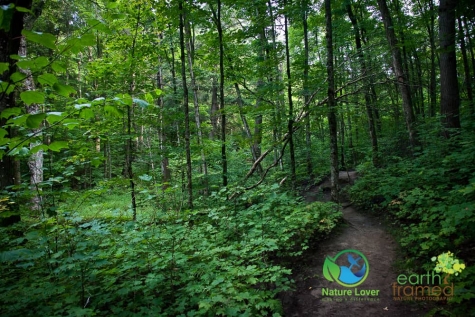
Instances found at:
x=362 y=233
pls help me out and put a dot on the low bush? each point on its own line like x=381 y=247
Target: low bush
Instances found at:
x=210 y=262
x=430 y=199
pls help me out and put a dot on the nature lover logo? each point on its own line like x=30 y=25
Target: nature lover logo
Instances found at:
x=353 y=273
x=349 y=268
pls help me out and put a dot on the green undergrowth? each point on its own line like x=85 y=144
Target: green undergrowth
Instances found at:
x=213 y=261
x=430 y=201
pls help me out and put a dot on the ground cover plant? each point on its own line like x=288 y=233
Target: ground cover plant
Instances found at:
x=207 y=262
x=429 y=200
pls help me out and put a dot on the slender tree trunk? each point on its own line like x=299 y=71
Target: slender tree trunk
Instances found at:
x=308 y=138
x=129 y=155
x=247 y=129
x=174 y=86
x=401 y=78
x=432 y=82
x=277 y=79
x=186 y=109
x=470 y=44
x=291 y=106
x=224 y=162
x=420 y=84
x=9 y=46
x=449 y=90
x=332 y=121
x=214 y=109
x=367 y=91
x=164 y=164
x=466 y=68
x=260 y=83
x=35 y=162
x=190 y=52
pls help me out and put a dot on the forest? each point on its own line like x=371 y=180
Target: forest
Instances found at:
x=154 y=153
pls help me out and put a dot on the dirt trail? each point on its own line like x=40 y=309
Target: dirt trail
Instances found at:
x=362 y=233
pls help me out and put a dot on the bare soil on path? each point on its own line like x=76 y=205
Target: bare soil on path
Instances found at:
x=365 y=234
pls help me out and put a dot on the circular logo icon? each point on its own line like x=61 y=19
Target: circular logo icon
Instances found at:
x=348 y=268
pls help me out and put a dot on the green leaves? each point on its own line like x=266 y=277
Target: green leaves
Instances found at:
x=56 y=146
x=64 y=90
x=45 y=39
x=47 y=79
x=34 y=121
x=32 y=97
x=6 y=14
x=8 y=112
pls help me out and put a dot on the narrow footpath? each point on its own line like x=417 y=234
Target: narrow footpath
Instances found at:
x=365 y=234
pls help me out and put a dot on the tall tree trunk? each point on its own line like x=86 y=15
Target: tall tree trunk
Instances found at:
x=367 y=91
x=190 y=52
x=432 y=82
x=245 y=124
x=35 y=162
x=214 y=109
x=470 y=44
x=449 y=90
x=291 y=106
x=176 y=98
x=224 y=161
x=276 y=78
x=306 y=92
x=164 y=163
x=10 y=36
x=260 y=83
x=401 y=77
x=186 y=109
x=466 y=67
x=332 y=121
x=129 y=156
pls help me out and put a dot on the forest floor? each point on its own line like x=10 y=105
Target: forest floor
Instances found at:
x=360 y=232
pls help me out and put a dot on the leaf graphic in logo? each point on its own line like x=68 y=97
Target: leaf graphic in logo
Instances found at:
x=331 y=271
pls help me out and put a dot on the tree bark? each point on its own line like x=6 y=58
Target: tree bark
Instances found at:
x=276 y=78
x=214 y=109
x=401 y=77
x=35 y=162
x=367 y=91
x=466 y=67
x=308 y=135
x=331 y=105
x=449 y=90
x=164 y=164
x=224 y=161
x=194 y=86
x=186 y=109
x=10 y=36
x=291 y=107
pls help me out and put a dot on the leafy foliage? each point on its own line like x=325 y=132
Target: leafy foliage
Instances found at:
x=209 y=262
x=430 y=198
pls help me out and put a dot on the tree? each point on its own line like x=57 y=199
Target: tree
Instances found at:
x=10 y=36
x=466 y=67
x=290 y=125
x=401 y=77
x=190 y=53
x=186 y=109
x=331 y=105
x=449 y=90
x=367 y=91
x=224 y=160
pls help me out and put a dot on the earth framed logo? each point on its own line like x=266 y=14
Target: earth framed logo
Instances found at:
x=335 y=269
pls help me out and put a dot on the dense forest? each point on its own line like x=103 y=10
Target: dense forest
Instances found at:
x=153 y=153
